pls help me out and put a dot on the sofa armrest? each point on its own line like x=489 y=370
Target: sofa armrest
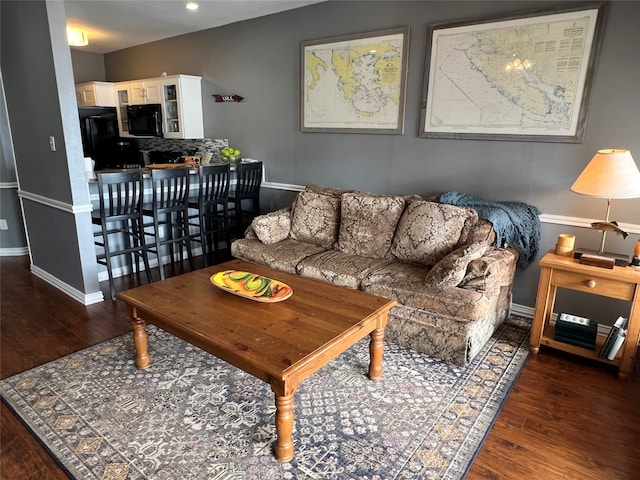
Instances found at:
x=272 y=227
x=495 y=269
x=459 y=303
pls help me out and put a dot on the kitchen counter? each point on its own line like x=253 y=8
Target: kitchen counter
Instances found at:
x=146 y=172
x=146 y=175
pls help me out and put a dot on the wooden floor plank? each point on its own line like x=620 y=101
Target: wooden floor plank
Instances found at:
x=566 y=417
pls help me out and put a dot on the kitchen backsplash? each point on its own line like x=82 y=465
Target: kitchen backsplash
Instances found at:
x=178 y=145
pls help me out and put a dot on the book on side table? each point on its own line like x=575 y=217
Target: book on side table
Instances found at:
x=575 y=330
x=615 y=339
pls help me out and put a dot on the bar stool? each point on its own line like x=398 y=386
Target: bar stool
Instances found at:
x=169 y=212
x=247 y=187
x=120 y=218
x=212 y=217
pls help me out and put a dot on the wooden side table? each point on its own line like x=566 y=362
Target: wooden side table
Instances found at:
x=622 y=283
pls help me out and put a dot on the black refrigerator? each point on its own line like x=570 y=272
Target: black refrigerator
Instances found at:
x=101 y=141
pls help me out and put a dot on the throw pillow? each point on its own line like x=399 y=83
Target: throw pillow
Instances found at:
x=368 y=223
x=272 y=227
x=482 y=232
x=315 y=219
x=450 y=270
x=428 y=231
x=476 y=276
x=322 y=190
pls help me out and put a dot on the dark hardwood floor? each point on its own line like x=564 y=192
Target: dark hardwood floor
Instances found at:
x=566 y=418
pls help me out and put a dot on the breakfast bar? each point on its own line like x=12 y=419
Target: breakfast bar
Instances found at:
x=181 y=203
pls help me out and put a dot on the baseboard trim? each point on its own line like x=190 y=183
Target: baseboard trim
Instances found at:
x=14 y=252
x=522 y=310
x=84 y=298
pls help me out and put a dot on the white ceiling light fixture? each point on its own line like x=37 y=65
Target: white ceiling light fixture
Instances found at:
x=192 y=6
x=77 y=37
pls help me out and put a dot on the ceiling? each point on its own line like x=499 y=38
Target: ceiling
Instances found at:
x=116 y=24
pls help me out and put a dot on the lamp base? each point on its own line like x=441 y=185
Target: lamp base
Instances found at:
x=619 y=259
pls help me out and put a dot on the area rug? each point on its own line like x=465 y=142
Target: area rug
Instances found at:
x=193 y=417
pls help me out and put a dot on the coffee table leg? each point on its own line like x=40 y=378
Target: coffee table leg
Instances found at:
x=284 y=427
x=140 y=343
x=376 y=347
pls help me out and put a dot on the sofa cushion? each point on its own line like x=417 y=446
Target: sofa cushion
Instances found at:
x=315 y=219
x=428 y=231
x=339 y=268
x=272 y=227
x=367 y=224
x=404 y=282
x=451 y=269
x=284 y=255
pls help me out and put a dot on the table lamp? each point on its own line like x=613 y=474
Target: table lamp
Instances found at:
x=611 y=174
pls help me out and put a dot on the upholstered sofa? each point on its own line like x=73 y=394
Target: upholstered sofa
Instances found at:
x=452 y=285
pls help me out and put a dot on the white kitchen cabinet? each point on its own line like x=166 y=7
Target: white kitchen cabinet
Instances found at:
x=144 y=91
x=181 y=106
x=122 y=95
x=95 y=94
x=179 y=95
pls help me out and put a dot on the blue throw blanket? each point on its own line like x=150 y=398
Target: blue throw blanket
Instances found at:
x=516 y=223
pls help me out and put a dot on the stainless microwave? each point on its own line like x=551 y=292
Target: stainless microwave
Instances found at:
x=145 y=120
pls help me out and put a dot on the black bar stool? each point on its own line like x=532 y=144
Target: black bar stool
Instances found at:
x=212 y=206
x=120 y=221
x=247 y=187
x=169 y=211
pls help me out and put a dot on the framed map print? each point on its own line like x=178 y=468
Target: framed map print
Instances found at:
x=355 y=83
x=526 y=78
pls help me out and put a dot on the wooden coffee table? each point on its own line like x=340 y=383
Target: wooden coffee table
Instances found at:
x=280 y=343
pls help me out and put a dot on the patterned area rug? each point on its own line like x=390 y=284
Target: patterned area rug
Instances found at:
x=193 y=417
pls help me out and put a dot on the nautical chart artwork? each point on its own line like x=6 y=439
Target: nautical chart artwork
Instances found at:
x=355 y=83
x=518 y=79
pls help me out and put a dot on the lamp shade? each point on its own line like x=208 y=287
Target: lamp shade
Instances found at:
x=612 y=173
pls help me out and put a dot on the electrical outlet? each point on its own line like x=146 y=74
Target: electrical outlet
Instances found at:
x=52 y=143
x=3 y=224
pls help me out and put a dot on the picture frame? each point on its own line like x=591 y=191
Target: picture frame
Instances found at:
x=521 y=78
x=355 y=83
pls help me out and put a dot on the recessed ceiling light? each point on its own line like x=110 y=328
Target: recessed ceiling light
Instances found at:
x=192 y=6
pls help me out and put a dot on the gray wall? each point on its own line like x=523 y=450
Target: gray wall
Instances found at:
x=259 y=60
x=13 y=240
x=87 y=67
x=40 y=95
